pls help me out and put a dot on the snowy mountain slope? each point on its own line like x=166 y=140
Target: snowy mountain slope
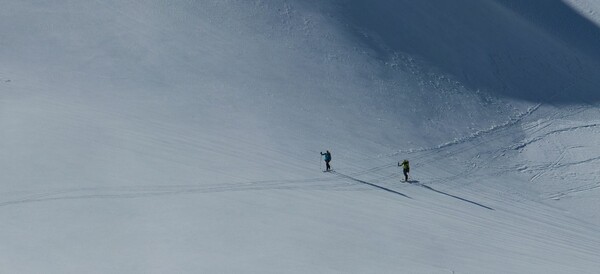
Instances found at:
x=155 y=136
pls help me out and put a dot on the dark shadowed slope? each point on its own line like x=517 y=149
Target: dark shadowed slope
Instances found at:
x=532 y=50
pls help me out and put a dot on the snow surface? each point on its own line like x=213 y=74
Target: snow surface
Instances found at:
x=184 y=136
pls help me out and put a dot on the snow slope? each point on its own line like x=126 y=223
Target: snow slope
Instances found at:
x=183 y=137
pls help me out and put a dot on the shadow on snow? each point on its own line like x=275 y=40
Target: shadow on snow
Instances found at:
x=413 y=182
x=449 y=195
x=371 y=184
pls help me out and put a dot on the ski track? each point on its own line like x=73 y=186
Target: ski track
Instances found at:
x=554 y=132
x=571 y=191
x=150 y=191
x=475 y=135
x=553 y=165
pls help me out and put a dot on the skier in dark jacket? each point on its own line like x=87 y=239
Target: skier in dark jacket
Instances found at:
x=405 y=169
x=327 y=159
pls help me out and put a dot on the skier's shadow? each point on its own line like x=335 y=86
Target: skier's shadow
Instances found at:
x=371 y=184
x=414 y=182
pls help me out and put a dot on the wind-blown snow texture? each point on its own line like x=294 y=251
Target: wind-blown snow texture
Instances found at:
x=184 y=136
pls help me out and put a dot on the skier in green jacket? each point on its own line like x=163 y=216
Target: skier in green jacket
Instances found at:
x=405 y=168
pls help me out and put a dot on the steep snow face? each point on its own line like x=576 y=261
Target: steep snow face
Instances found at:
x=527 y=50
x=183 y=136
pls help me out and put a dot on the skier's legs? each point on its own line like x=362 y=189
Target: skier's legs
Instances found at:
x=405 y=175
x=327 y=164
